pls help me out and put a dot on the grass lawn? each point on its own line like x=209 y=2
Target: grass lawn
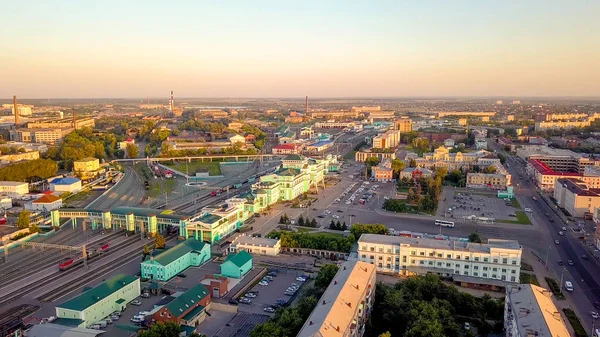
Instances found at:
x=575 y=323
x=326 y=234
x=403 y=190
x=555 y=288
x=529 y=278
x=350 y=155
x=213 y=168
x=305 y=229
x=515 y=203
x=161 y=185
x=526 y=266
x=522 y=219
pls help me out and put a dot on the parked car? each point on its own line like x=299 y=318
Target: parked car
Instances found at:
x=561 y=233
x=263 y=283
x=181 y=275
x=250 y=295
x=300 y=279
x=233 y=301
x=245 y=300
x=570 y=262
x=564 y=229
x=585 y=257
x=272 y=274
x=136 y=302
x=269 y=309
x=556 y=242
x=594 y=314
x=145 y=295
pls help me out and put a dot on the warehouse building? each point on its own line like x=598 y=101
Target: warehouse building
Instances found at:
x=14 y=188
x=166 y=264
x=344 y=308
x=237 y=265
x=98 y=302
x=61 y=185
x=495 y=260
x=188 y=308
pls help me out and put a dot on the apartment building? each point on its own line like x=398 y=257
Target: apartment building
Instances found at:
x=46 y=136
x=495 y=260
x=383 y=114
x=415 y=173
x=334 y=125
x=544 y=177
x=530 y=310
x=87 y=168
x=387 y=140
x=441 y=114
x=334 y=114
x=14 y=188
x=575 y=196
x=361 y=156
x=495 y=181
x=403 y=125
x=562 y=121
x=344 y=308
x=62 y=123
x=382 y=172
x=560 y=160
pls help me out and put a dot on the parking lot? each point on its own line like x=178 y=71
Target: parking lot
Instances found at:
x=462 y=205
x=268 y=295
x=147 y=304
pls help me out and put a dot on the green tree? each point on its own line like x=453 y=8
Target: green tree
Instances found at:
x=332 y=225
x=490 y=169
x=344 y=226
x=397 y=166
x=441 y=172
x=160 y=241
x=313 y=223
x=146 y=250
x=372 y=161
x=132 y=151
x=300 y=221
x=386 y=334
x=474 y=237
x=162 y=329
x=268 y=329
x=325 y=275
x=412 y=163
x=359 y=229
x=34 y=229
x=421 y=145
x=31 y=170
x=23 y=220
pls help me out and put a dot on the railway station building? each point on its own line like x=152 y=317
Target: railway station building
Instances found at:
x=237 y=265
x=165 y=264
x=97 y=303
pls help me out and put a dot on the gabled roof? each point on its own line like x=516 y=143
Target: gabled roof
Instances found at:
x=240 y=258
x=289 y=172
x=88 y=159
x=179 y=250
x=187 y=300
x=98 y=293
x=65 y=181
x=293 y=157
x=46 y=199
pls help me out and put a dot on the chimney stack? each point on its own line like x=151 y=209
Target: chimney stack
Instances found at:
x=16 y=110
x=306 y=108
x=74 y=120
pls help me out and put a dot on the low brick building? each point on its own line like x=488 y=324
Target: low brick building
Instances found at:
x=187 y=309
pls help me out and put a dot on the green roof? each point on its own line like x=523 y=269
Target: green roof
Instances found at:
x=138 y=211
x=289 y=172
x=240 y=258
x=209 y=218
x=120 y=300
x=193 y=313
x=98 y=293
x=179 y=250
x=68 y=321
x=188 y=299
x=293 y=157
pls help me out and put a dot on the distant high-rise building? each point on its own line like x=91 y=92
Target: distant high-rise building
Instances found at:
x=516 y=102
x=403 y=125
x=499 y=102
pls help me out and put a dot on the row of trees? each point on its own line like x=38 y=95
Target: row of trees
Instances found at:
x=29 y=171
x=289 y=321
x=323 y=241
x=285 y=219
x=165 y=329
x=337 y=226
x=427 y=307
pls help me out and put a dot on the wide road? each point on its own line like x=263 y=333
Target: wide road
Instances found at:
x=584 y=274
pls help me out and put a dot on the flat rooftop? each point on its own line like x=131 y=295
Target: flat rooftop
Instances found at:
x=257 y=242
x=544 y=151
x=534 y=311
x=439 y=244
x=546 y=170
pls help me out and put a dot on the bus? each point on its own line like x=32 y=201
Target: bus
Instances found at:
x=444 y=223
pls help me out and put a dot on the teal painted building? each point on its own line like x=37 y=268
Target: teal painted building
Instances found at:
x=237 y=265
x=99 y=302
x=166 y=264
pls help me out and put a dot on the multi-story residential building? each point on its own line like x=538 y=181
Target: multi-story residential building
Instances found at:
x=95 y=304
x=575 y=196
x=505 y=142
x=346 y=304
x=334 y=114
x=164 y=265
x=383 y=172
x=236 y=126
x=361 y=156
x=11 y=158
x=530 y=311
x=86 y=168
x=488 y=180
x=387 y=140
x=403 y=125
x=489 y=160
x=363 y=108
x=545 y=177
x=495 y=260
x=253 y=245
x=14 y=189
x=383 y=114
x=560 y=160
x=567 y=123
x=441 y=114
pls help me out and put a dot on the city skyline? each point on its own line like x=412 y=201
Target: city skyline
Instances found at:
x=269 y=49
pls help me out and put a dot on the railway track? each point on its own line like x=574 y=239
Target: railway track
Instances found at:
x=59 y=274
x=96 y=273
x=24 y=271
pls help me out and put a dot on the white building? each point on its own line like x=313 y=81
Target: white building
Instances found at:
x=45 y=203
x=14 y=188
x=61 y=185
x=496 y=260
x=5 y=202
x=257 y=246
x=530 y=311
x=449 y=142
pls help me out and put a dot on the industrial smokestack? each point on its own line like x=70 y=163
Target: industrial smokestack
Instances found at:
x=306 y=108
x=171 y=102
x=16 y=110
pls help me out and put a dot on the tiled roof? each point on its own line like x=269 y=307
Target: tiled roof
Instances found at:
x=179 y=250
x=188 y=299
x=240 y=258
x=98 y=293
x=47 y=199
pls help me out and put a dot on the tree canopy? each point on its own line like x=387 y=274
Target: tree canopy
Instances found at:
x=168 y=329
x=359 y=229
x=29 y=171
x=23 y=220
x=372 y=161
x=322 y=241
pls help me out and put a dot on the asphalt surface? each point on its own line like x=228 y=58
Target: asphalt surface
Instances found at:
x=129 y=191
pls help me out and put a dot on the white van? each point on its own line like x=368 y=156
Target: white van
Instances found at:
x=102 y=324
x=569 y=286
x=95 y=327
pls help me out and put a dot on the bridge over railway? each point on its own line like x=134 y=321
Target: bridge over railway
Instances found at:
x=235 y=157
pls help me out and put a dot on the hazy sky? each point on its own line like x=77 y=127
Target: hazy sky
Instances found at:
x=285 y=48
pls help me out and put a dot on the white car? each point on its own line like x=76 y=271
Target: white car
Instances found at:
x=300 y=279
x=335 y=216
x=528 y=210
x=561 y=233
x=594 y=314
x=263 y=283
